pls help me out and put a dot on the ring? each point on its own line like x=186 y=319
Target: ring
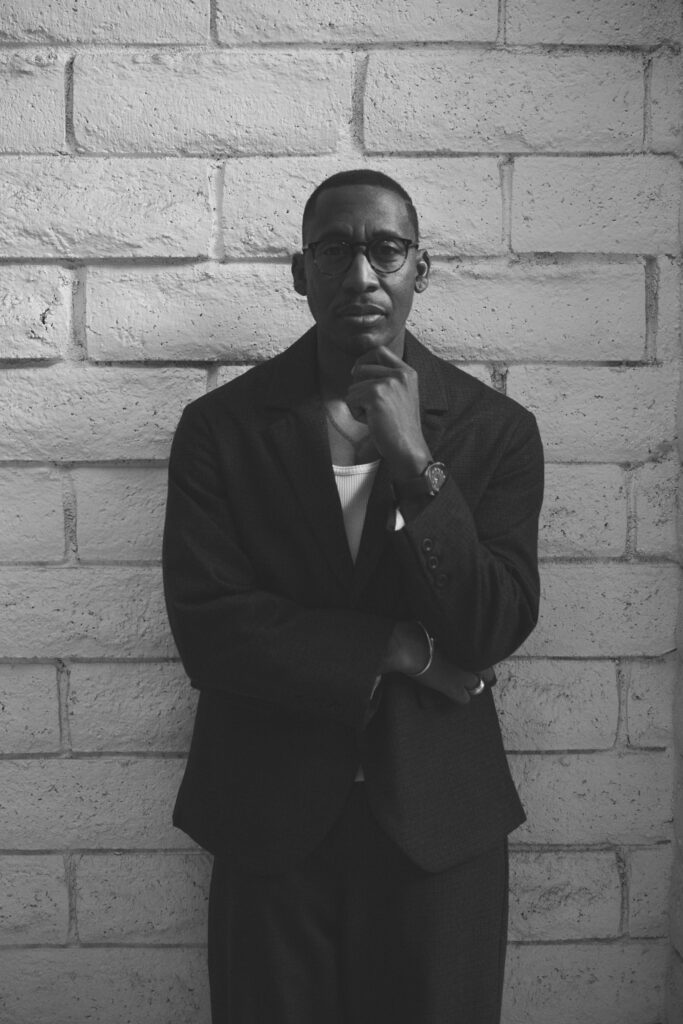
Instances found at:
x=476 y=690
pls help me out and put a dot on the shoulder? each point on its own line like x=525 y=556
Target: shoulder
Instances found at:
x=467 y=396
x=247 y=395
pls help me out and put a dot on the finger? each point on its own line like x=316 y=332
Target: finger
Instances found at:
x=374 y=370
x=380 y=355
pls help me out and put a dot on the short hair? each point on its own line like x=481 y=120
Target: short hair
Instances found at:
x=361 y=176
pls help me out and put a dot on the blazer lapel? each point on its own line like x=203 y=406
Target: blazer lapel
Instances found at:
x=299 y=437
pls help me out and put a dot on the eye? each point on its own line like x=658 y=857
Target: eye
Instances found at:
x=387 y=248
x=332 y=248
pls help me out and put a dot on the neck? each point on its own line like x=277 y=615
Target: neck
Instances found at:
x=335 y=365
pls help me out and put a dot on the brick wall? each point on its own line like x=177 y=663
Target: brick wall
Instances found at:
x=154 y=160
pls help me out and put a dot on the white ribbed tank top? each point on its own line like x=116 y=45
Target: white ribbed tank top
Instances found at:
x=354 y=484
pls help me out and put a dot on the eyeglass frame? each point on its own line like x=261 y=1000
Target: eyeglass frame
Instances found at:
x=408 y=242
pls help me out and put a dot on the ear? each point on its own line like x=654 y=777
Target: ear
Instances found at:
x=422 y=271
x=299 y=273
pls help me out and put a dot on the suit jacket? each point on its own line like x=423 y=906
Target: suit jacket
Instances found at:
x=282 y=634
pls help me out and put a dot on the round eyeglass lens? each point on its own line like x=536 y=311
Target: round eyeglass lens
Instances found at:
x=385 y=255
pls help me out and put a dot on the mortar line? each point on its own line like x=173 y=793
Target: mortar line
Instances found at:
x=360 y=78
x=70 y=866
x=63 y=687
x=223 y=153
x=651 y=307
x=631 y=546
x=257 y=46
x=499 y=377
x=501 y=37
x=216 y=173
x=506 y=167
x=69 y=133
x=212 y=377
x=647 y=102
x=78 y=333
x=213 y=22
x=69 y=513
x=624 y=872
x=621 y=740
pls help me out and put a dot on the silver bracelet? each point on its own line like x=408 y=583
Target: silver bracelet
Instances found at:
x=474 y=691
x=430 y=657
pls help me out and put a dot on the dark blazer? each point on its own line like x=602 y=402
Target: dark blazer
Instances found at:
x=282 y=635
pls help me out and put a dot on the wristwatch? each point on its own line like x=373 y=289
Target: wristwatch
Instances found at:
x=427 y=484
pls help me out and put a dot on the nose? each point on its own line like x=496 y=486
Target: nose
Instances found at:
x=360 y=276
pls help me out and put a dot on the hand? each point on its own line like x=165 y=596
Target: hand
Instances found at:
x=408 y=652
x=440 y=676
x=384 y=395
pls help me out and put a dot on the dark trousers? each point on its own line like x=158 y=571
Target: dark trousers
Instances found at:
x=359 y=935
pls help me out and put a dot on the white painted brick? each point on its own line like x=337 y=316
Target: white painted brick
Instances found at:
x=674 y=994
x=557 y=705
x=678 y=828
x=34 y=312
x=605 y=610
x=382 y=21
x=226 y=373
x=649 y=880
x=31 y=515
x=675 y=903
x=120 y=513
x=585 y=983
x=71 y=207
x=667 y=102
x=207 y=311
x=81 y=412
x=598 y=204
x=656 y=502
x=136 y=707
x=524 y=310
x=105 y=21
x=584 y=511
x=564 y=895
x=668 y=344
x=90 y=803
x=599 y=414
x=106 y=986
x=457 y=199
x=34 y=903
x=496 y=100
x=142 y=898
x=481 y=371
x=32 y=110
x=207 y=101
x=85 y=612
x=650 y=688
x=29 y=705
x=599 y=798
x=614 y=22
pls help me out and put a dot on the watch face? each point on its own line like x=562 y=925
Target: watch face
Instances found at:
x=436 y=474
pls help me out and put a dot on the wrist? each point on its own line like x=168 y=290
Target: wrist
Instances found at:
x=409 y=650
x=409 y=464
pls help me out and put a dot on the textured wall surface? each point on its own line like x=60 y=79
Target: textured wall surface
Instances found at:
x=154 y=161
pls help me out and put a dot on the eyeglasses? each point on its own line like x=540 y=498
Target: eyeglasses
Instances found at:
x=386 y=255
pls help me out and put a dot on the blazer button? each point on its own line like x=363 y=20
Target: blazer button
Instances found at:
x=441 y=580
x=428 y=544
x=433 y=562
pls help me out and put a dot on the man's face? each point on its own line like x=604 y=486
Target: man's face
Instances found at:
x=360 y=309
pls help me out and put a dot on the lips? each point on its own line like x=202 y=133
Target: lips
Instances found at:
x=364 y=315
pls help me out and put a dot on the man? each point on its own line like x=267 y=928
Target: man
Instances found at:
x=350 y=546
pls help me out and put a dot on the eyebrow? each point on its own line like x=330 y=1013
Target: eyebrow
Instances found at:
x=346 y=236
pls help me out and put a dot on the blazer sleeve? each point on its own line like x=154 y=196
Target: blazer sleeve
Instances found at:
x=236 y=637
x=473 y=572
